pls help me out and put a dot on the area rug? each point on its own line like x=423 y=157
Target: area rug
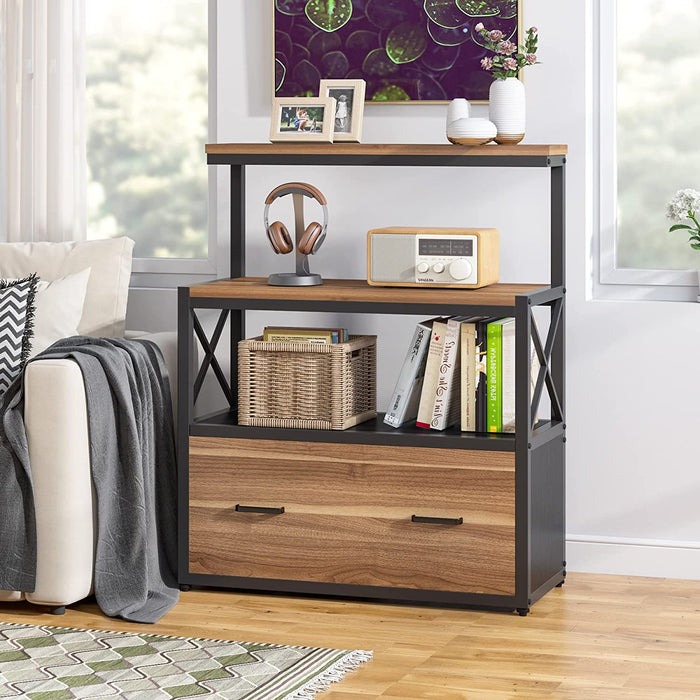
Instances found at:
x=58 y=663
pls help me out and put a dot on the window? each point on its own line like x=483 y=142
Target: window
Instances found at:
x=649 y=70
x=146 y=123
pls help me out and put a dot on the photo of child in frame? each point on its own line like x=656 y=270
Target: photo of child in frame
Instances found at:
x=343 y=111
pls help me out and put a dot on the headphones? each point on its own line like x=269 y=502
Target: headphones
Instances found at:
x=277 y=232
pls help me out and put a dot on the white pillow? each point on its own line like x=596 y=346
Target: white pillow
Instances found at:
x=105 y=304
x=58 y=308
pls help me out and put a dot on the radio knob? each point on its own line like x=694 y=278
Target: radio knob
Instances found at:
x=460 y=269
x=438 y=267
x=422 y=267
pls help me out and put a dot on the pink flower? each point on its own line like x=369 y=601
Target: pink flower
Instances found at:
x=510 y=64
x=487 y=63
x=506 y=47
x=533 y=30
x=479 y=27
x=496 y=35
x=530 y=59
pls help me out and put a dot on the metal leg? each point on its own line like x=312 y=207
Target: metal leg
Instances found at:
x=60 y=610
x=523 y=612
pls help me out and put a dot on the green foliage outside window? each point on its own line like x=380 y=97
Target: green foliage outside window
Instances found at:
x=147 y=124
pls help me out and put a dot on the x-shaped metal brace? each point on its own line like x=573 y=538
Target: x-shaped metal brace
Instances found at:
x=544 y=355
x=209 y=348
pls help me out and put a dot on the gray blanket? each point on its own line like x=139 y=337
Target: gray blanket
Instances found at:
x=132 y=455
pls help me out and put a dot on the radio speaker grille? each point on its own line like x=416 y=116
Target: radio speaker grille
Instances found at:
x=392 y=257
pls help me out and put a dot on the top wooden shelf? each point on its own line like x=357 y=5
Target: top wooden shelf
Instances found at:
x=357 y=295
x=527 y=155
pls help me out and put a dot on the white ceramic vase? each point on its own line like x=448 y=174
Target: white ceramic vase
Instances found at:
x=507 y=110
x=459 y=108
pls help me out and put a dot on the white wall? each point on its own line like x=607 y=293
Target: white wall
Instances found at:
x=633 y=378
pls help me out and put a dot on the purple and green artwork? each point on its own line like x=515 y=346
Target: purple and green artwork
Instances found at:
x=406 y=50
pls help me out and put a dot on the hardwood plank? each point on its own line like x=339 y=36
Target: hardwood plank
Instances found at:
x=376 y=149
x=359 y=291
x=429 y=652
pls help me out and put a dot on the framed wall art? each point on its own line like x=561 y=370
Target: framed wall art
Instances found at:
x=302 y=119
x=405 y=50
x=349 y=96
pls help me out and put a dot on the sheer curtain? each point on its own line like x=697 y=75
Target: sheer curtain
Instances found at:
x=42 y=124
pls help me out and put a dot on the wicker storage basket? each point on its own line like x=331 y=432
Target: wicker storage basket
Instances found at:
x=302 y=385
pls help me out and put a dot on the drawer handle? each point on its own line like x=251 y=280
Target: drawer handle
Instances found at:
x=259 y=509
x=436 y=521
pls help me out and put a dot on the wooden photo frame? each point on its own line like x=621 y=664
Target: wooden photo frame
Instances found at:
x=302 y=119
x=349 y=97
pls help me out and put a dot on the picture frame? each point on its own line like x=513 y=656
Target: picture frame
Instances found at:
x=408 y=51
x=304 y=119
x=349 y=97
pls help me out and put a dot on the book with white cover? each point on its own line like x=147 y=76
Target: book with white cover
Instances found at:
x=430 y=380
x=467 y=351
x=446 y=403
x=403 y=406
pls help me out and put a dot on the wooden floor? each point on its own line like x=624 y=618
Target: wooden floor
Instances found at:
x=597 y=637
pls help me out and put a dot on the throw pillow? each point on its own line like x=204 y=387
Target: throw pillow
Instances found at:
x=16 y=323
x=59 y=308
x=110 y=260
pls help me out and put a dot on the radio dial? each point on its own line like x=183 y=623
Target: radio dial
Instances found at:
x=422 y=267
x=438 y=267
x=460 y=269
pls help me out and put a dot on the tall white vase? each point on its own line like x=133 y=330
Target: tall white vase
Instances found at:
x=507 y=110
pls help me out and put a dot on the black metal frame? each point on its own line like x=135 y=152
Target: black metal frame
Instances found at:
x=537 y=446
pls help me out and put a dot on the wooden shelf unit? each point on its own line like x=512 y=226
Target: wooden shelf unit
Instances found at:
x=437 y=541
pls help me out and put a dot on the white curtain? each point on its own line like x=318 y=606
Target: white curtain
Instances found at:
x=42 y=120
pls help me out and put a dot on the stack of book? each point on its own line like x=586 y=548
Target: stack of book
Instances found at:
x=458 y=370
x=324 y=336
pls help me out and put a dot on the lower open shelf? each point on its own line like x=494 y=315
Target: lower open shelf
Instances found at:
x=374 y=432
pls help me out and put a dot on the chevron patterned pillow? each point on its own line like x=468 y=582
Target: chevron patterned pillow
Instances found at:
x=16 y=315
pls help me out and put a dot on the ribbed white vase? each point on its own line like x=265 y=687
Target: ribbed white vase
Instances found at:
x=507 y=109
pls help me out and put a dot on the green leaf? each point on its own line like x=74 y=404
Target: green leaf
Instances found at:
x=406 y=42
x=329 y=15
x=444 y=13
x=377 y=63
x=280 y=72
x=386 y=13
x=479 y=8
x=390 y=93
x=695 y=246
x=290 y=7
x=678 y=227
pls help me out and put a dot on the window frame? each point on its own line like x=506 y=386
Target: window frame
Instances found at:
x=609 y=280
x=174 y=272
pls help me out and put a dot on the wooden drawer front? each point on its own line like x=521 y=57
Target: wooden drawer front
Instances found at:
x=348 y=514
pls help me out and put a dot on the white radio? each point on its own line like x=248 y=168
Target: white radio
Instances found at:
x=432 y=257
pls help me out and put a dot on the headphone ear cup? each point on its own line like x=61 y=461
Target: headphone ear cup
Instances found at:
x=308 y=240
x=279 y=237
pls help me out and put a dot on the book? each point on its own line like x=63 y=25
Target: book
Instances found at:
x=480 y=379
x=508 y=375
x=501 y=371
x=285 y=334
x=430 y=378
x=446 y=402
x=403 y=406
x=467 y=351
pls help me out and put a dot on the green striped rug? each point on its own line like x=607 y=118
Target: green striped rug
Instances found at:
x=57 y=663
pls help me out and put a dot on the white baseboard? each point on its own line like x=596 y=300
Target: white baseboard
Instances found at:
x=633 y=557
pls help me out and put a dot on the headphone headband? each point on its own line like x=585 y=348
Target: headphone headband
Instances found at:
x=296 y=188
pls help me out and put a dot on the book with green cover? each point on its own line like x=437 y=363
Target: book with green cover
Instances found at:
x=494 y=416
